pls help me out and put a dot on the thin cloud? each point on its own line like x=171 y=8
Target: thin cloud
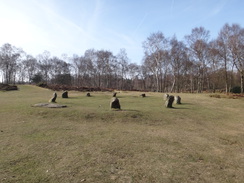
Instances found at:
x=140 y=24
x=213 y=12
x=218 y=8
x=95 y=15
x=121 y=38
x=172 y=8
x=93 y=22
x=62 y=19
x=65 y=34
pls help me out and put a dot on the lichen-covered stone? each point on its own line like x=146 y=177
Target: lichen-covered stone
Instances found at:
x=53 y=99
x=169 y=102
x=114 y=103
x=166 y=96
x=177 y=100
x=65 y=94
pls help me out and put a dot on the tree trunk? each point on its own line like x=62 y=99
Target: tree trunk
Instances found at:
x=173 y=85
x=213 y=87
x=192 y=84
x=242 y=82
x=226 y=79
x=157 y=82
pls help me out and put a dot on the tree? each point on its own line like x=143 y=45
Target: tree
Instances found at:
x=30 y=67
x=133 y=72
x=105 y=63
x=45 y=65
x=37 y=78
x=60 y=71
x=224 y=52
x=90 y=71
x=214 y=59
x=9 y=56
x=178 y=57
x=123 y=61
x=76 y=69
x=198 y=46
x=155 y=50
x=236 y=46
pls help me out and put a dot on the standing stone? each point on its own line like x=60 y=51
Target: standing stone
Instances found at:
x=65 y=94
x=114 y=103
x=88 y=94
x=169 y=102
x=143 y=95
x=114 y=95
x=53 y=99
x=166 y=96
x=177 y=100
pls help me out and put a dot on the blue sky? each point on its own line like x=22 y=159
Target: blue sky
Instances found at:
x=73 y=26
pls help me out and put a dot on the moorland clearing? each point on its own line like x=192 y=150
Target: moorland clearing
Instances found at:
x=201 y=140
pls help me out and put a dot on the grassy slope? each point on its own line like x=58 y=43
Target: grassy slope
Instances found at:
x=201 y=140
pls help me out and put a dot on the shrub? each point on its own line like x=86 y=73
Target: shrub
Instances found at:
x=42 y=84
x=37 y=78
x=215 y=95
x=236 y=89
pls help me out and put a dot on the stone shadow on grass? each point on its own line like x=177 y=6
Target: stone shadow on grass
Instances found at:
x=180 y=106
x=125 y=110
x=49 y=105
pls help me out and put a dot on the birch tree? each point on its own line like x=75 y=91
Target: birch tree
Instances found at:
x=198 y=45
x=155 y=48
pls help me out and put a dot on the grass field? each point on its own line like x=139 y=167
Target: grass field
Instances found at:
x=201 y=140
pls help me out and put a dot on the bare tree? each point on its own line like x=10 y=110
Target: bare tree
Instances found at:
x=123 y=62
x=75 y=60
x=9 y=56
x=30 y=67
x=45 y=65
x=178 y=57
x=91 y=58
x=105 y=63
x=155 y=50
x=214 y=59
x=236 y=46
x=60 y=71
x=198 y=45
x=133 y=71
x=224 y=53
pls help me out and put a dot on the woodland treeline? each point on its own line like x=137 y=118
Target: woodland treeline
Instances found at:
x=195 y=64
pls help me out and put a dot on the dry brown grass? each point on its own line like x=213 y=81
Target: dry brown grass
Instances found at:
x=201 y=140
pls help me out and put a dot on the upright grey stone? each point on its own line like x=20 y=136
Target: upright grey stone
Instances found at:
x=177 y=100
x=53 y=99
x=114 y=94
x=88 y=94
x=114 y=103
x=166 y=96
x=65 y=94
x=169 y=102
x=143 y=95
